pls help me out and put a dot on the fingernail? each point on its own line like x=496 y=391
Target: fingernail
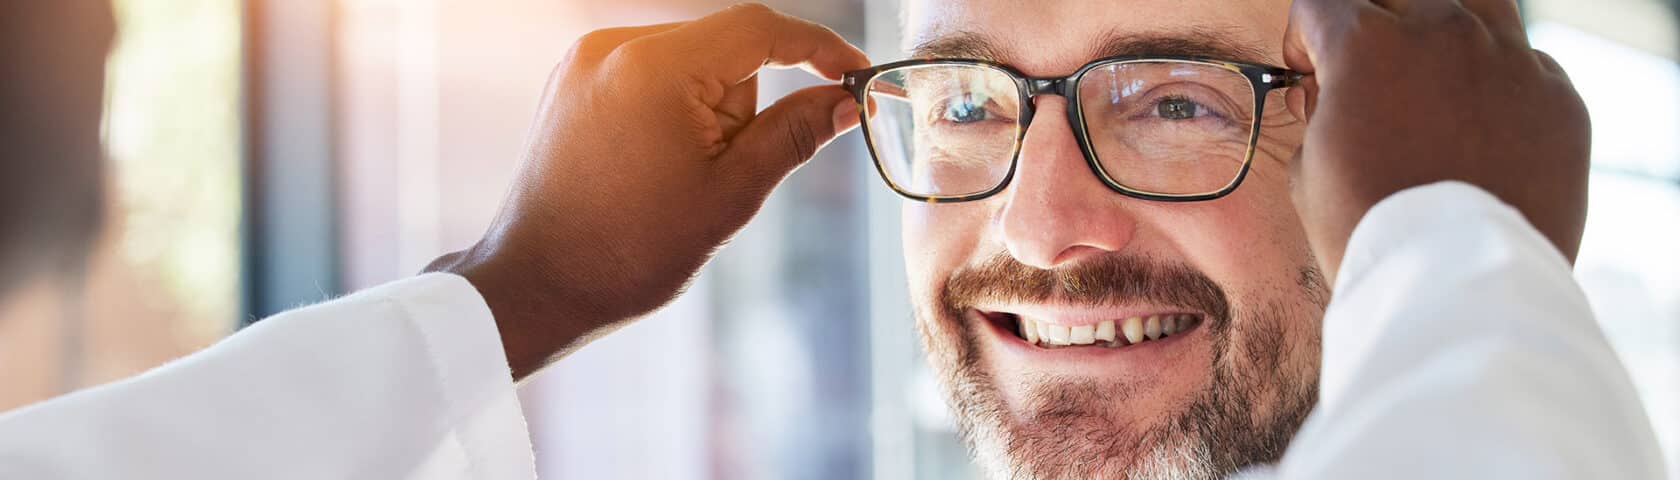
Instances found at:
x=845 y=115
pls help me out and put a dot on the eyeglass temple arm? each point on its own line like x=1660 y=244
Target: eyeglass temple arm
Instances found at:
x=1288 y=79
x=851 y=83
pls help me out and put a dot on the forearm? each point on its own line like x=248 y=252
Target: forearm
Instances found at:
x=1458 y=345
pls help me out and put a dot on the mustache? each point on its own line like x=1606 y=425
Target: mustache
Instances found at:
x=1105 y=280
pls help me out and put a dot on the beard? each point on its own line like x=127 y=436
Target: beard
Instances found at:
x=1069 y=428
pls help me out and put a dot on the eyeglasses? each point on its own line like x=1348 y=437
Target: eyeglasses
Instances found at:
x=1161 y=128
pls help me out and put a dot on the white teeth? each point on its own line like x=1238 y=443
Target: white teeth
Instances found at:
x=1133 y=328
x=1105 y=331
x=1058 y=335
x=1082 y=335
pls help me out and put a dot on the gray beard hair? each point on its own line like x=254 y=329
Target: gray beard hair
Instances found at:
x=1071 y=436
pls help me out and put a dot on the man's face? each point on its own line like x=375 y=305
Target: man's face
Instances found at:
x=1058 y=247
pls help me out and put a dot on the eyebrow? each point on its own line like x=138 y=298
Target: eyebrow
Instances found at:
x=1196 y=42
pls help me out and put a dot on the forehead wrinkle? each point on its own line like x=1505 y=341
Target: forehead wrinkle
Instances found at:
x=1196 y=41
x=1199 y=41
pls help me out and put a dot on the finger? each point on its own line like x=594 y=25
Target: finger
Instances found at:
x=1296 y=53
x=1550 y=64
x=1502 y=18
x=1318 y=26
x=788 y=133
x=732 y=44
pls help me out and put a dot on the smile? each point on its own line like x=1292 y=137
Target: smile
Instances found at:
x=1109 y=333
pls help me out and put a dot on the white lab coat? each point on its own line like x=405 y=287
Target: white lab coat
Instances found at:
x=406 y=380
x=1457 y=346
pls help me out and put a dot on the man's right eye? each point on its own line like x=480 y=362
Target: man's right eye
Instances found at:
x=965 y=109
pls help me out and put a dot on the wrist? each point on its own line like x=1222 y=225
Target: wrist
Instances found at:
x=538 y=316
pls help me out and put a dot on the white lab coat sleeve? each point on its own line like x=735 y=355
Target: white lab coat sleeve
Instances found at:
x=406 y=380
x=1458 y=345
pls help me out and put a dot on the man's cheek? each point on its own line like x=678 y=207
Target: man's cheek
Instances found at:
x=1248 y=236
x=918 y=247
x=938 y=238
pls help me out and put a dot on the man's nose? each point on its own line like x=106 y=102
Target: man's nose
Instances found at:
x=1057 y=211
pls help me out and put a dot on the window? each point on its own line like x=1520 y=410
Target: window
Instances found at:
x=164 y=279
x=1621 y=60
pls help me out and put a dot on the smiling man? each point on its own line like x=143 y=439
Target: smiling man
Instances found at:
x=1116 y=269
x=1086 y=320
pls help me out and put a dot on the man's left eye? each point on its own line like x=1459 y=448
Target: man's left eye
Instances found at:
x=1179 y=108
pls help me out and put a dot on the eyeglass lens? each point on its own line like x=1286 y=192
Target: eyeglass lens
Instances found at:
x=1158 y=127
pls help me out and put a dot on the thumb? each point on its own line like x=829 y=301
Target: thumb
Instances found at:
x=1297 y=53
x=789 y=132
x=1320 y=31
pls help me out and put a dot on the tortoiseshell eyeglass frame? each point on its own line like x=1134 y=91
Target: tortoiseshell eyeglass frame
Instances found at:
x=1262 y=78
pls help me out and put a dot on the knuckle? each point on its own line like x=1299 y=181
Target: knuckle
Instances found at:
x=560 y=71
x=747 y=18
x=1455 y=19
x=751 y=11
x=1567 y=99
x=629 y=55
x=1347 y=41
x=1549 y=64
x=593 y=46
x=1365 y=25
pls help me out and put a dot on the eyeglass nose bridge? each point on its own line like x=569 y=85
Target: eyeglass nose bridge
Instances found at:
x=1042 y=86
x=1045 y=86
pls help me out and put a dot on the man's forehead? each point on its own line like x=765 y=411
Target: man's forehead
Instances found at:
x=1052 y=37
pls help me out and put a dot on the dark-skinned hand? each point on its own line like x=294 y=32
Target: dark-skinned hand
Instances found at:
x=647 y=155
x=1402 y=93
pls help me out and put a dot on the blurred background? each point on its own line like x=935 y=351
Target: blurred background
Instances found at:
x=268 y=154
